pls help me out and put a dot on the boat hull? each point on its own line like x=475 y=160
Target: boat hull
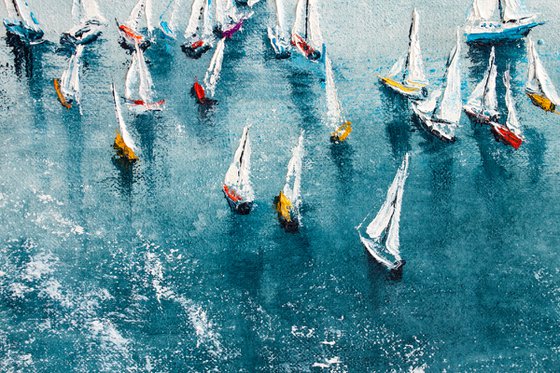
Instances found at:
x=341 y=133
x=305 y=48
x=415 y=93
x=139 y=106
x=239 y=206
x=197 y=49
x=61 y=98
x=434 y=127
x=480 y=117
x=542 y=102
x=129 y=38
x=280 y=47
x=26 y=34
x=123 y=151
x=395 y=266
x=504 y=135
x=492 y=32
x=85 y=33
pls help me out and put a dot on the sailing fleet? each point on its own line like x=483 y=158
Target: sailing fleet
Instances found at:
x=436 y=108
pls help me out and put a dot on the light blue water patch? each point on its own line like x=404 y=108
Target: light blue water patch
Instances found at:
x=108 y=267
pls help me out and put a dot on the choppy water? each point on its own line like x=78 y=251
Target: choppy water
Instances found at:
x=109 y=268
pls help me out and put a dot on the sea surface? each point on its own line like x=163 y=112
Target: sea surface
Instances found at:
x=143 y=268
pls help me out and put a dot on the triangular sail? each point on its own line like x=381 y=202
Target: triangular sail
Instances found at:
x=279 y=6
x=315 y=35
x=512 y=123
x=11 y=8
x=483 y=10
x=511 y=11
x=388 y=217
x=484 y=95
x=122 y=125
x=414 y=69
x=23 y=11
x=132 y=78
x=292 y=188
x=213 y=73
x=194 y=20
x=91 y=11
x=146 y=84
x=539 y=81
x=334 y=109
x=167 y=21
x=70 y=80
x=449 y=107
x=299 y=23
x=238 y=173
x=143 y=8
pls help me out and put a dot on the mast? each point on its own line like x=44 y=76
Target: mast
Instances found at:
x=306 y=17
x=411 y=30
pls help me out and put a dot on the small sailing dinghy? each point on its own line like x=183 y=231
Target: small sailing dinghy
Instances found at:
x=205 y=96
x=288 y=202
x=510 y=24
x=228 y=20
x=306 y=35
x=539 y=87
x=237 y=186
x=139 y=92
x=124 y=145
x=198 y=34
x=510 y=132
x=68 y=86
x=22 y=22
x=440 y=113
x=133 y=31
x=407 y=74
x=89 y=23
x=168 y=18
x=482 y=106
x=277 y=35
x=341 y=127
x=382 y=233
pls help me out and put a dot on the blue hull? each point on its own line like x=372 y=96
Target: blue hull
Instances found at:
x=500 y=35
x=25 y=33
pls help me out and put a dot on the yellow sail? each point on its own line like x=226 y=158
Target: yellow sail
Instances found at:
x=123 y=150
x=342 y=132
x=283 y=206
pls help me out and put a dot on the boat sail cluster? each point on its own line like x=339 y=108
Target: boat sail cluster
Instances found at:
x=212 y=23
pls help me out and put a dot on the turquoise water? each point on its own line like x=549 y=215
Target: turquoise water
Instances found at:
x=111 y=268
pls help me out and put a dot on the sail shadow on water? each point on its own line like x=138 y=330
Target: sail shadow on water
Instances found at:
x=304 y=98
x=342 y=155
x=145 y=127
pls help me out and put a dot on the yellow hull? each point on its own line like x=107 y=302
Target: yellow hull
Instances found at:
x=123 y=150
x=542 y=102
x=59 y=94
x=283 y=206
x=342 y=132
x=399 y=86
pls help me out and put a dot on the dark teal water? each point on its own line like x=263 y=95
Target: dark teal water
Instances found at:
x=143 y=268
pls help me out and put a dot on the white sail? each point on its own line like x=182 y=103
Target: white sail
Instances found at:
x=292 y=188
x=279 y=6
x=194 y=20
x=538 y=80
x=484 y=95
x=11 y=9
x=122 y=125
x=142 y=9
x=238 y=173
x=512 y=122
x=450 y=106
x=91 y=11
x=213 y=73
x=388 y=217
x=219 y=15
x=172 y=8
x=315 y=35
x=398 y=67
x=77 y=14
x=483 y=10
x=70 y=80
x=22 y=9
x=334 y=109
x=148 y=15
x=414 y=70
x=512 y=11
x=132 y=78
x=145 y=89
x=299 y=23
x=206 y=19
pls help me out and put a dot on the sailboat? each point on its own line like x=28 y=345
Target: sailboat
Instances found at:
x=89 y=23
x=483 y=103
x=198 y=34
x=382 y=233
x=22 y=22
x=123 y=144
x=168 y=18
x=341 y=127
x=440 y=113
x=205 y=95
x=132 y=32
x=139 y=92
x=510 y=132
x=307 y=23
x=277 y=35
x=237 y=186
x=539 y=87
x=228 y=19
x=407 y=74
x=510 y=24
x=68 y=87
x=288 y=202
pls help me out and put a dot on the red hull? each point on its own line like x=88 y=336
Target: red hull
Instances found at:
x=199 y=92
x=504 y=135
x=302 y=45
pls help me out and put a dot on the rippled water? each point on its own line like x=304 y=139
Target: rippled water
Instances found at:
x=111 y=268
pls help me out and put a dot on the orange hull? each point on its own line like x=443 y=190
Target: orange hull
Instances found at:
x=59 y=94
x=123 y=150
